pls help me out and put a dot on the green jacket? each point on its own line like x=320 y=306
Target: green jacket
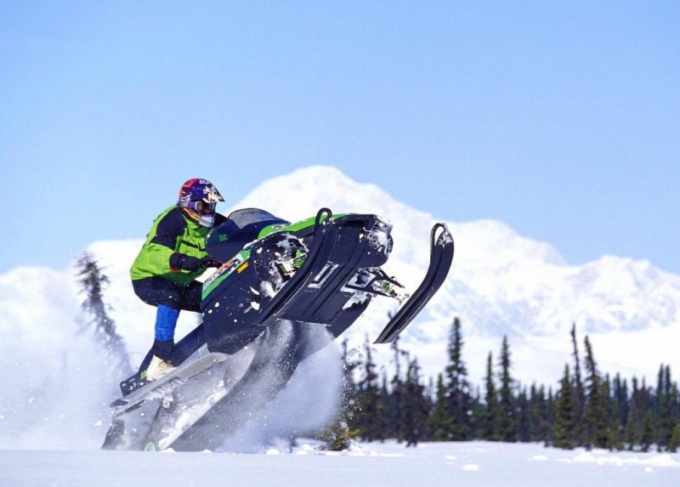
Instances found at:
x=171 y=232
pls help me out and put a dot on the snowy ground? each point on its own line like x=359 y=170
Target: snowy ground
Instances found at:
x=50 y=436
x=389 y=464
x=54 y=443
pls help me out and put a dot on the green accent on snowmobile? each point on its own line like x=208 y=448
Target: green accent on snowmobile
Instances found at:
x=276 y=227
x=243 y=256
x=295 y=227
x=225 y=271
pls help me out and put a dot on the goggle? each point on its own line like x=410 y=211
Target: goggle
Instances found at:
x=203 y=207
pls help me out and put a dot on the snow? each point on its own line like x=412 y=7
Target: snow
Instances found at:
x=390 y=464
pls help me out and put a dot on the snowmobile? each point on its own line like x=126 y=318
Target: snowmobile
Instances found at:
x=284 y=291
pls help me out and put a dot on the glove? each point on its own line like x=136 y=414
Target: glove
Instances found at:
x=163 y=350
x=210 y=262
x=182 y=262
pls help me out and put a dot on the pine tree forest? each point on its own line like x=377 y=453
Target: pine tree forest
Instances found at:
x=589 y=408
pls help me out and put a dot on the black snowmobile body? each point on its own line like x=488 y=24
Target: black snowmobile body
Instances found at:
x=260 y=282
x=279 y=287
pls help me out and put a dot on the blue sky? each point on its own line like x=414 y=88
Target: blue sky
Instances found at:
x=561 y=119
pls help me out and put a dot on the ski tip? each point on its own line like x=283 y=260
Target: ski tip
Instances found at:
x=441 y=236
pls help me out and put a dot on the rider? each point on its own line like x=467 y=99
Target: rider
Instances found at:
x=172 y=257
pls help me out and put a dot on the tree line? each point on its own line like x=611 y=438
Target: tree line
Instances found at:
x=588 y=408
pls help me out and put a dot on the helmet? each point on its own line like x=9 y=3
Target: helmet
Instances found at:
x=198 y=199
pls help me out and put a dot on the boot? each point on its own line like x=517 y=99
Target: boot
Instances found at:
x=157 y=368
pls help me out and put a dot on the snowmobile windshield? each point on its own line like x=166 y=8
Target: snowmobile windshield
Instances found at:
x=242 y=227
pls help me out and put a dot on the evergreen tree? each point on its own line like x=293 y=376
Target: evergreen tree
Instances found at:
x=92 y=280
x=369 y=405
x=596 y=413
x=397 y=394
x=675 y=440
x=615 y=429
x=648 y=430
x=478 y=414
x=620 y=398
x=579 y=394
x=565 y=414
x=551 y=408
x=459 y=400
x=674 y=408
x=415 y=406
x=523 y=418
x=539 y=420
x=340 y=432
x=391 y=413
x=663 y=396
x=491 y=413
x=438 y=421
x=636 y=411
x=507 y=420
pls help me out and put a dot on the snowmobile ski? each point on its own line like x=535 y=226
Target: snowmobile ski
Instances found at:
x=441 y=256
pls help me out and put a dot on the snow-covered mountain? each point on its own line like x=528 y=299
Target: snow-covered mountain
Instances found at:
x=504 y=284
x=500 y=284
